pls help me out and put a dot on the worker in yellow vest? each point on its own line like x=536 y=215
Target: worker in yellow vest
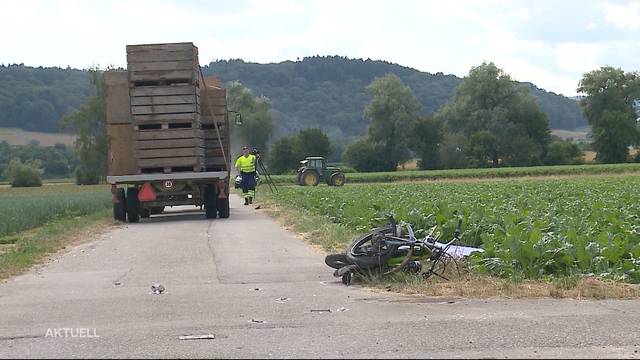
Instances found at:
x=246 y=165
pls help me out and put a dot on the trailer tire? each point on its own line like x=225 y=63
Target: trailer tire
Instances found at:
x=120 y=207
x=133 y=205
x=157 y=210
x=223 y=208
x=210 y=203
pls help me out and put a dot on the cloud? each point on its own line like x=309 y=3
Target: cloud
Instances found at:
x=545 y=42
x=623 y=16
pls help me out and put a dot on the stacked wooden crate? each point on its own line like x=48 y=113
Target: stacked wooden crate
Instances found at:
x=165 y=107
x=119 y=135
x=214 y=111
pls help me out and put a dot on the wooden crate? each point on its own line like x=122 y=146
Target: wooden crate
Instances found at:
x=120 y=159
x=169 y=150
x=165 y=104
x=214 y=111
x=161 y=64
x=117 y=97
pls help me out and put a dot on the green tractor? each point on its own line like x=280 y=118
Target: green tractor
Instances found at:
x=314 y=169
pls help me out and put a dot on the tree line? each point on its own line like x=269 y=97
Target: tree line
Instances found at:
x=489 y=121
x=330 y=92
x=56 y=161
x=36 y=99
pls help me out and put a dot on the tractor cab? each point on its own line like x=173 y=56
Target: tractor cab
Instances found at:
x=313 y=169
x=314 y=163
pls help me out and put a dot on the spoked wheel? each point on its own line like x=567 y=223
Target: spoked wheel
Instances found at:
x=371 y=250
x=443 y=266
x=346 y=278
x=336 y=261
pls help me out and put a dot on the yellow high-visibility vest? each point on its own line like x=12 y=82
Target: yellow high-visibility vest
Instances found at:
x=246 y=164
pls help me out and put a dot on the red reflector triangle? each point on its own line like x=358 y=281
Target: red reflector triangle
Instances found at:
x=146 y=193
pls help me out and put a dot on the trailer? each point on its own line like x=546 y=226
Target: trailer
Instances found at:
x=167 y=134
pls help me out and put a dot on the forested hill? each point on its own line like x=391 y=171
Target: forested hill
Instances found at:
x=330 y=91
x=325 y=91
x=37 y=99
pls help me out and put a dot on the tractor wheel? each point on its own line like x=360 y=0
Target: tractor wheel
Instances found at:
x=210 y=202
x=310 y=178
x=337 y=179
x=120 y=207
x=299 y=178
x=133 y=205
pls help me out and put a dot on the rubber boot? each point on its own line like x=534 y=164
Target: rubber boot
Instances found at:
x=250 y=200
x=246 y=201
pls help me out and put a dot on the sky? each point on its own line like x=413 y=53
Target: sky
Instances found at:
x=549 y=43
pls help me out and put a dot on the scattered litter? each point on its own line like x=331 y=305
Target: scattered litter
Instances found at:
x=256 y=289
x=117 y=283
x=282 y=300
x=197 y=337
x=256 y=321
x=323 y=283
x=447 y=302
x=320 y=310
x=157 y=288
x=257 y=207
x=342 y=309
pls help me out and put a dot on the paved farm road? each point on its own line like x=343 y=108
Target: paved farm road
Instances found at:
x=211 y=270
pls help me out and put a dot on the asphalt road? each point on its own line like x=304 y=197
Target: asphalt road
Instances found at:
x=261 y=292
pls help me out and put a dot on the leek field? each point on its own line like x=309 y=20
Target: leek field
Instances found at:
x=530 y=229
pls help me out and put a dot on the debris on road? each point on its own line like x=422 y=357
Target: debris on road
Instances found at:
x=256 y=289
x=320 y=310
x=117 y=283
x=254 y=321
x=197 y=337
x=282 y=300
x=342 y=309
x=157 y=289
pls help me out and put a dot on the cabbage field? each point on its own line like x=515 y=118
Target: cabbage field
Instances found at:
x=529 y=228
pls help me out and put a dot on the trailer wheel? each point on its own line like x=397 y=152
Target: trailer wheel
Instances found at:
x=145 y=213
x=210 y=202
x=157 y=210
x=120 y=207
x=133 y=205
x=223 y=208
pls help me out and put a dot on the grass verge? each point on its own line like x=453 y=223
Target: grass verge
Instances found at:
x=332 y=237
x=18 y=252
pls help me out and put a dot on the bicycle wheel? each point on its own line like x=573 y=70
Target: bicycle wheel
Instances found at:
x=336 y=261
x=443 y=266
x=371 y=250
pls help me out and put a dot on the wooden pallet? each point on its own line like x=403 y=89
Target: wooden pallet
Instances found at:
x=169 y=143
x=168 y=118
x=172 y=169
x=174 y=161
x=169 y=153
x=165 y=90
x=165 y=134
